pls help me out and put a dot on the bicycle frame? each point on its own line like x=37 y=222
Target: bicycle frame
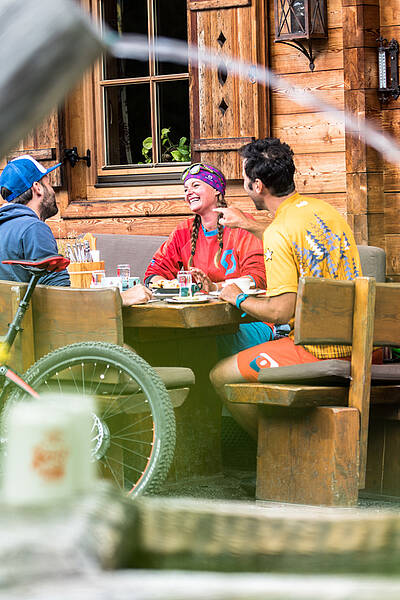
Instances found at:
x=9 y=338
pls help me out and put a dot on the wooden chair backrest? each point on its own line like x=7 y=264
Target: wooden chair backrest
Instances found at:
x=22 y=354
x=360 y=313
x=66 y=315
x=59 y=316
x=324 y=312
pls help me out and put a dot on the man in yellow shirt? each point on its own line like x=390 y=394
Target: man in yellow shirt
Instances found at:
x=307 y=237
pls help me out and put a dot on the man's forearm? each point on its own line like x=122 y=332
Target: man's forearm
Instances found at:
x=257 y=228
x=268 y=309
x=278 y=309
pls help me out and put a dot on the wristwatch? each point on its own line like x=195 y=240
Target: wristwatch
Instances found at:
x=241 y=298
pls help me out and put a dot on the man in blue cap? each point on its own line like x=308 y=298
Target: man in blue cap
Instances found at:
x=25 y=185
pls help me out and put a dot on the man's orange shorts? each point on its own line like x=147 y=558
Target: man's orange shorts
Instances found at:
x=281 y=353
x=278 y=353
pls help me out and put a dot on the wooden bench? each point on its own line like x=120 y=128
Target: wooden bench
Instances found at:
x=59 y=316
x=314 y=419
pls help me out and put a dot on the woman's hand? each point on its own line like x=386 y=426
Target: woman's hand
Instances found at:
x=138 y=294
x=204 y=282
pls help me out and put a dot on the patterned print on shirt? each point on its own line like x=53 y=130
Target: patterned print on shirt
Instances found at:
x=319 y=256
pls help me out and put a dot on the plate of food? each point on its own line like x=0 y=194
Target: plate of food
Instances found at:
x=250 y=292
x=165 y=287
x=200 y=299
x=168 y=287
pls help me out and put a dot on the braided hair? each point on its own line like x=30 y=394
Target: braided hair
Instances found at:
x=221 y=203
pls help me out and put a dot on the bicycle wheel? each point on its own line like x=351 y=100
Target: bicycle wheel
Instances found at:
x=134 y=422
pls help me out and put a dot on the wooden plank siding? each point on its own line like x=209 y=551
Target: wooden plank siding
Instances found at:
x=331 y=163
x=317 y=139
x=390 y=28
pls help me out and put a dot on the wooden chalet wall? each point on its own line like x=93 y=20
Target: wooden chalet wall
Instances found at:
x=331 y=163
x=390 y=28
x=317 y=140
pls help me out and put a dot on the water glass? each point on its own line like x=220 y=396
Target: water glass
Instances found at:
x=134 y=281
x=185 y=283
x=124 y=272
x=97 y=277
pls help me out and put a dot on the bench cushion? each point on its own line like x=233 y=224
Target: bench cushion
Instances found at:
x=373 y=262
x=387 y=373
x=326 y=372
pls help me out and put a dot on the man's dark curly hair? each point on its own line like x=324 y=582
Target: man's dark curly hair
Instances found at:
x=271 y=161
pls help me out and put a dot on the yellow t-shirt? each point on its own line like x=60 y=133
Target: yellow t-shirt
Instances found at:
x=309 y=238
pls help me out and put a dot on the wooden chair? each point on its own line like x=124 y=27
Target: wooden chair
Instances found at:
x=313 y=419
x=59 y=316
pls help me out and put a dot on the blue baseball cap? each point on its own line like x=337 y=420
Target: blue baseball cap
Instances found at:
x=21 y=173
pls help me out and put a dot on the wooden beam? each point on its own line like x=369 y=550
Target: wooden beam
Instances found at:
x=360 y=384
x=364 y=166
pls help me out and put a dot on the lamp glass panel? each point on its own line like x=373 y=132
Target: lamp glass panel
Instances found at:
x=297 y=16
x=318 y=18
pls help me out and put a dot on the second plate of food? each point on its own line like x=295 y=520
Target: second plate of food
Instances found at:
x=188 y=300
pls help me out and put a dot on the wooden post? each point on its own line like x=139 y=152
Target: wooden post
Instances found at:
x=308 y=456
x=364 y=166
x=360 y=385
x=46 y=47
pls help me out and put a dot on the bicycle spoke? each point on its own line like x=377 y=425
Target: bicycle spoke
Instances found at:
x=112 y=473
x=107 y=414
x=133 y=425
x=119 y=462
x=128 y=438
x=125 y=449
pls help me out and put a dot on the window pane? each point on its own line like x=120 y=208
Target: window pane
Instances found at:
x=173 y=104
x=127 y=110
x=125 y=16
x=171 y=22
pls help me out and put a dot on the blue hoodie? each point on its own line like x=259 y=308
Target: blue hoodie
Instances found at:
x=23 y=236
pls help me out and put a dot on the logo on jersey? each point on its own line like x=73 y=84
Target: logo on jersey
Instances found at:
x=268 y=254
x=228 y=261
x=263 y=361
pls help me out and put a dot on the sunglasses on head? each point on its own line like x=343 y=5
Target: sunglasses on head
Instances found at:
x=196 y=168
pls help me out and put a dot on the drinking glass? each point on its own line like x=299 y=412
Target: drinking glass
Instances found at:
x=124 y=272
x=97 y=277
x=185 y=283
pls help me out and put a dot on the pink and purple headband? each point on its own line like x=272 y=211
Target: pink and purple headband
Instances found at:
x=206 y=173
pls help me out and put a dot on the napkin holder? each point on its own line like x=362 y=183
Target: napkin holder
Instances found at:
x=81 y=273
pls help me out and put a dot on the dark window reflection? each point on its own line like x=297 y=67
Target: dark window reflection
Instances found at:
x=125 y=16
x=127 y=111
x=173 y=102
x=297 y=16
x=171 y=22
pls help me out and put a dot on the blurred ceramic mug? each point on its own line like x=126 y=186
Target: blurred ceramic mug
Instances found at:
x=245 y=283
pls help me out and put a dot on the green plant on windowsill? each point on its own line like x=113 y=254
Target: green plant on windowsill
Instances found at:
x=170 y=152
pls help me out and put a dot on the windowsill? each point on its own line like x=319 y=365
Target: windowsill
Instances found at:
x=142 y=179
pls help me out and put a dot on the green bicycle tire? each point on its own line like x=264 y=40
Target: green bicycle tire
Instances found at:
x=140 y=388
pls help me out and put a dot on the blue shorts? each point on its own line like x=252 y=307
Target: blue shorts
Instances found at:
x=249 y=335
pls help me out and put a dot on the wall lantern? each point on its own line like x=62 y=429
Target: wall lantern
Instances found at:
x=388 y=64
x=297 y=20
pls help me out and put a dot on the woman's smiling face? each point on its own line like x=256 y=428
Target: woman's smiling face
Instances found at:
x=200 y=196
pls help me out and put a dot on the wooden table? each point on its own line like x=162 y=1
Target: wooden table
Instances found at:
x=185 y=335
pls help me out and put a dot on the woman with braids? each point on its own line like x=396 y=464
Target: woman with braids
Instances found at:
x=212 y=252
